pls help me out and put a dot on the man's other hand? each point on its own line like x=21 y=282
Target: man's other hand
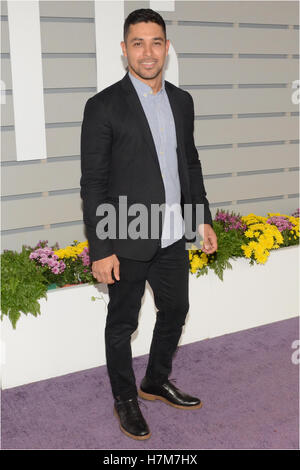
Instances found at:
x=102 y=269
x=210 y=244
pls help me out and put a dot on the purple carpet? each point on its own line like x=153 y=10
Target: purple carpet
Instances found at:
x=247 y=382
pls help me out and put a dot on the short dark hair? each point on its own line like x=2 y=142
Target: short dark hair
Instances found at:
x=143 y=15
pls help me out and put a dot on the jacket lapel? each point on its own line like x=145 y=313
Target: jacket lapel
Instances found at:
x=177 y=114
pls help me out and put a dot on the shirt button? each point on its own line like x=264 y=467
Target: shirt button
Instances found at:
x=145 y=94
x=161 y=153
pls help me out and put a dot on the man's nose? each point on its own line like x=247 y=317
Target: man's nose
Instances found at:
x=148 y=50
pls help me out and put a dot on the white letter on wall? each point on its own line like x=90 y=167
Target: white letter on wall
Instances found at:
x=27 y=79
x=109 y=21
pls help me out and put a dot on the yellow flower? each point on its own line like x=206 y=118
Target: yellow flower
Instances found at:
x=249 y=233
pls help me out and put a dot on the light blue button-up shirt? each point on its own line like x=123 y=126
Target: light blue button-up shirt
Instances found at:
x=161 y=122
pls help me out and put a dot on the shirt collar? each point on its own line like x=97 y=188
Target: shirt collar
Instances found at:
x=142 y=88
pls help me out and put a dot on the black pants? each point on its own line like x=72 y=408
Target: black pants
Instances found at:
x=168 y=275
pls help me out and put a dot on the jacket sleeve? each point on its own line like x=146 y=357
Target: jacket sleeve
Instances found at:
x=95 y=150
x=198 y=192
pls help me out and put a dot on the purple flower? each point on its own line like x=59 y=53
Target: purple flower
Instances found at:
x=46 y=257
x=231 y=222
x=281 y=223
x=85 y=256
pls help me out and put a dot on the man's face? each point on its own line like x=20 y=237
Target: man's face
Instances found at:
x=146 y=49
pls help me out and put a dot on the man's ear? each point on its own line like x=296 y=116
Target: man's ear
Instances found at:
x=167 y=46
x=123 y=46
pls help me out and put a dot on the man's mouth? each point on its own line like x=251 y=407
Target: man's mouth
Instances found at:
x=148 y=64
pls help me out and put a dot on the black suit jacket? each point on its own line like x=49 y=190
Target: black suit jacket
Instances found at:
x=118 y=157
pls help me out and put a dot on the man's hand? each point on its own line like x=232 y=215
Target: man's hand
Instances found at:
x=102 y=268
x=210 y=244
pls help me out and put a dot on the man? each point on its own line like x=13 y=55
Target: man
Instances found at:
x=137 y=141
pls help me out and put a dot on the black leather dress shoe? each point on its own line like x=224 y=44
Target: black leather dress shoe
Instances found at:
x=168 y=393
x=132 y=422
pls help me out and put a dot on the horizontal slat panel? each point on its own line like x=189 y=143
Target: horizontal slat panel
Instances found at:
x=37 y=211
x=4 y=36
x=63 y=72
x=261 y=12
x=81 y=72
x=61 y=141
x=285 y=12
x=263 y=157
x=59 y=107
x=28 y=212
x=64 y=235
x=68 y=72
x=39 y=177
x=80 y=37
x=282 y=206
x=198 y=71
x=3 y=7
x=68 y=107
x=243 y=130
x=213 y=162
x=6 y=72
x=7 y=115
x=243 y=100
x=8 y=146
x=68 y=37
x=59 y=36
x=52 y=176
x=65 y=141
x=252 y=186
x=73 y=9
x=201 y=39
x=65 y=107
x=82 y=9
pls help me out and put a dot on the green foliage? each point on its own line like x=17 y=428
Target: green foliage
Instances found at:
x=229 y=246
x=25 y=280
x=75 y=271
x=22 y=285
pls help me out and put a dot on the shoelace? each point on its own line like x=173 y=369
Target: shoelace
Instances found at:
x=134 y=408
x=140 y=402
x=136 y=411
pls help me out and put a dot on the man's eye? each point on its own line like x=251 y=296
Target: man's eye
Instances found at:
x=136 y=43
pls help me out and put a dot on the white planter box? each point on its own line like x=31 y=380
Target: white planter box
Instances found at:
x=68 y=336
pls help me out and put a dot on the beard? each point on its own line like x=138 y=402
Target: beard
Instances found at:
x=147 y=74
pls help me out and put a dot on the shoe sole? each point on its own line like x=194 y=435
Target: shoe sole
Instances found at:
x=148 y=396
x=139 y=438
